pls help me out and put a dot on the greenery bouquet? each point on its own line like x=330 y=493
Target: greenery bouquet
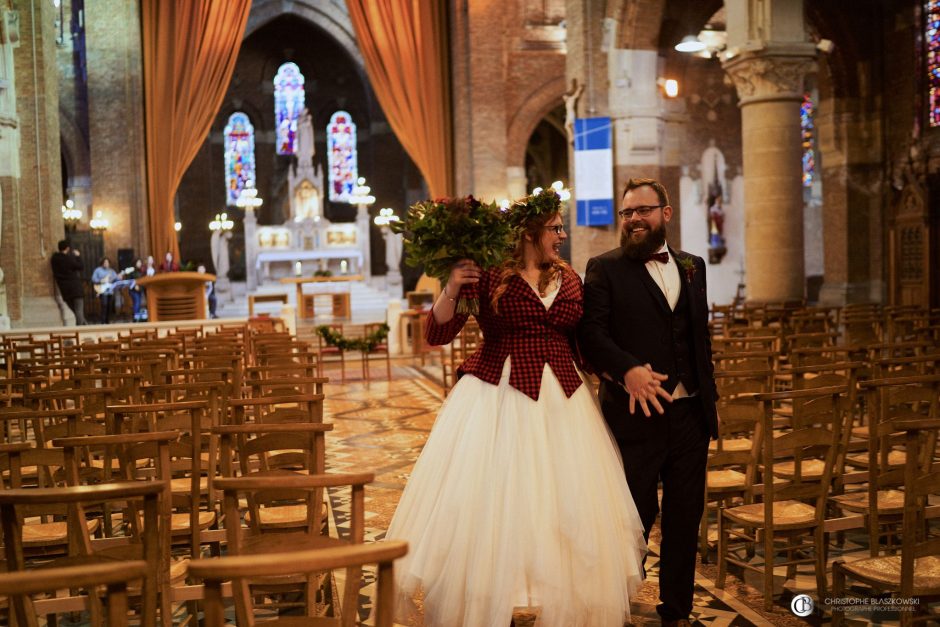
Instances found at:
x=439 y=233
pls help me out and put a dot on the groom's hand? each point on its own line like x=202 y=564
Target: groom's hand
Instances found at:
x=643 y=384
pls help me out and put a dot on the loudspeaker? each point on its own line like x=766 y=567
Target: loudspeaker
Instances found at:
x=125 y=259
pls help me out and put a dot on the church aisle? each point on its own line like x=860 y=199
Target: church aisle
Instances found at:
x=382 y=428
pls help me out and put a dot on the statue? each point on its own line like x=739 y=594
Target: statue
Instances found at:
x=571 y=105
x=218 y=245
x=713 y=168
x=393 y=251
x=305 y=149
x=713 y=171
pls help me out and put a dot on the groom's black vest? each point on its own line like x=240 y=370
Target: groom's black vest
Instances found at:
x=682 y=362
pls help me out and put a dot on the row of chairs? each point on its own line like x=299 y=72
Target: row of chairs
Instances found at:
x=227 y=438
x=814 y=406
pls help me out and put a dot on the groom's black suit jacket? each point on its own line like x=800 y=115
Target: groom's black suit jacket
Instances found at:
x=627 y=322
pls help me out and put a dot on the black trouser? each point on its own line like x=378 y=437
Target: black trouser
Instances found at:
x=673 y=448
x=107 y=302
x=77 y=305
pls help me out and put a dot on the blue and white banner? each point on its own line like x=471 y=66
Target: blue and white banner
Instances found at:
x=594 y=171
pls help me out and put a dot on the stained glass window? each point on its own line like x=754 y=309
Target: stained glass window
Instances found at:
x=239 y=155
x=288 y=105
x=341 y=152
x=932 y=39
x=808 y=125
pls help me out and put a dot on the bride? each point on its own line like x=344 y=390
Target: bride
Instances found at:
x=519 y=496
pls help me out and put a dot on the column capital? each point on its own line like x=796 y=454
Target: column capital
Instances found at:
x=771 y=74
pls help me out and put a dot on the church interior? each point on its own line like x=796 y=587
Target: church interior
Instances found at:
x=227 y=175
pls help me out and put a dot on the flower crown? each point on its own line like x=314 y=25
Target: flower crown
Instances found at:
x=522 y=212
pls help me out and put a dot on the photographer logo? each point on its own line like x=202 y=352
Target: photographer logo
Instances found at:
x=802 y=605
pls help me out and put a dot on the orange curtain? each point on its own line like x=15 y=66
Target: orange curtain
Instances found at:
x=190 y=48
x=404 y=44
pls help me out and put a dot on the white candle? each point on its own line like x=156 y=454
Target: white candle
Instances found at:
x=298 y=269
x=342 y=266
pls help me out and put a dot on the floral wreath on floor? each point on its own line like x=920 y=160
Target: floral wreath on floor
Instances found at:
x=365 y=344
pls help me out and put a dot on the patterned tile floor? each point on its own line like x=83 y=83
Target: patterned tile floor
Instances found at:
x=382 y=426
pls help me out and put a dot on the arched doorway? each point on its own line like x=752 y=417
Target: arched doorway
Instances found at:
x=546 y=158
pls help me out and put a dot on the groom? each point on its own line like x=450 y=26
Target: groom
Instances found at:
x=645 y=332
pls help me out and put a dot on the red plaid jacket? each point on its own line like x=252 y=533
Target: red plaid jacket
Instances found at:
x=523 y=330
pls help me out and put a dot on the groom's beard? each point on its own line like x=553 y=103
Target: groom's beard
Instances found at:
x=643 y=248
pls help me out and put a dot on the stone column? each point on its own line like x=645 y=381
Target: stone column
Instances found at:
x=767 y=57
x=251 y=249
x=852 y=178
x=479 y=100
x=116 y=124
x=364 y=236
x=770 y=87
x=32 y=221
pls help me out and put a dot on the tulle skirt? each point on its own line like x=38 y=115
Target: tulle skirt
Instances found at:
x=515 y=502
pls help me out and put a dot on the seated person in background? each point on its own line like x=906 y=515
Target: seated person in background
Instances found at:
x=168 y=264
x=103 y=279
x=137 y=292
x=210 y=293
x=151 y=268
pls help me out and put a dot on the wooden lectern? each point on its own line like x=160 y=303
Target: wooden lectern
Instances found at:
x=176 y=295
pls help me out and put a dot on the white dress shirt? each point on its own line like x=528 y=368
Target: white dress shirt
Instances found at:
x=666 y=276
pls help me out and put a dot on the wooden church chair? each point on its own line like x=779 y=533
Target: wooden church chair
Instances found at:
x=49 y=534
x=894 y=401
x=324 y=350
x=270 y=409
x=189 y=469
x=464 y=345
x=379 y=350
x=731 y=471
x=145 y=458
x=276 y=450
x=793 y=506
x=215 y=572
x=256 y=541
x=19 y=588
x=17 y=504
x=914 y=572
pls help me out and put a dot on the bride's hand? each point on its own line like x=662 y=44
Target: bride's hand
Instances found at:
x=464 y=272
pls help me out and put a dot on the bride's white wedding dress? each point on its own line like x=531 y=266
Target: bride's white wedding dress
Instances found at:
x=516 y=502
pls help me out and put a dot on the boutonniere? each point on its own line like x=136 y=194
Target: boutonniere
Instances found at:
x=688 y=264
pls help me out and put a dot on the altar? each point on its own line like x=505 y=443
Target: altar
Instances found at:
x=307 y=243
x=285 y=262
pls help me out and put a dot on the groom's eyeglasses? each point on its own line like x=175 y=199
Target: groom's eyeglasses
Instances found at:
x=643 y=211
x=556 y=228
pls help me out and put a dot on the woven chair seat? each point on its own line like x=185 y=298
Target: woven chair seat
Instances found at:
x=726 y=479
x=178 y=566
x=179 y=523
x=887 y=570
x=895 y=458
x=889 y=501
x=183 y=485
x=810 y=469
x=283 y=516
x=860 y=432
x=732 y=444
x=53 y=533
x=785 y=514
x=267 y=543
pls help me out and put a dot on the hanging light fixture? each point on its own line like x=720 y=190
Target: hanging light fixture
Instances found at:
x=99 y=223
x=690 y=43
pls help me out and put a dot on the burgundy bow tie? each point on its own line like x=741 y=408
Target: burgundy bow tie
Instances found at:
x=662 y=257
